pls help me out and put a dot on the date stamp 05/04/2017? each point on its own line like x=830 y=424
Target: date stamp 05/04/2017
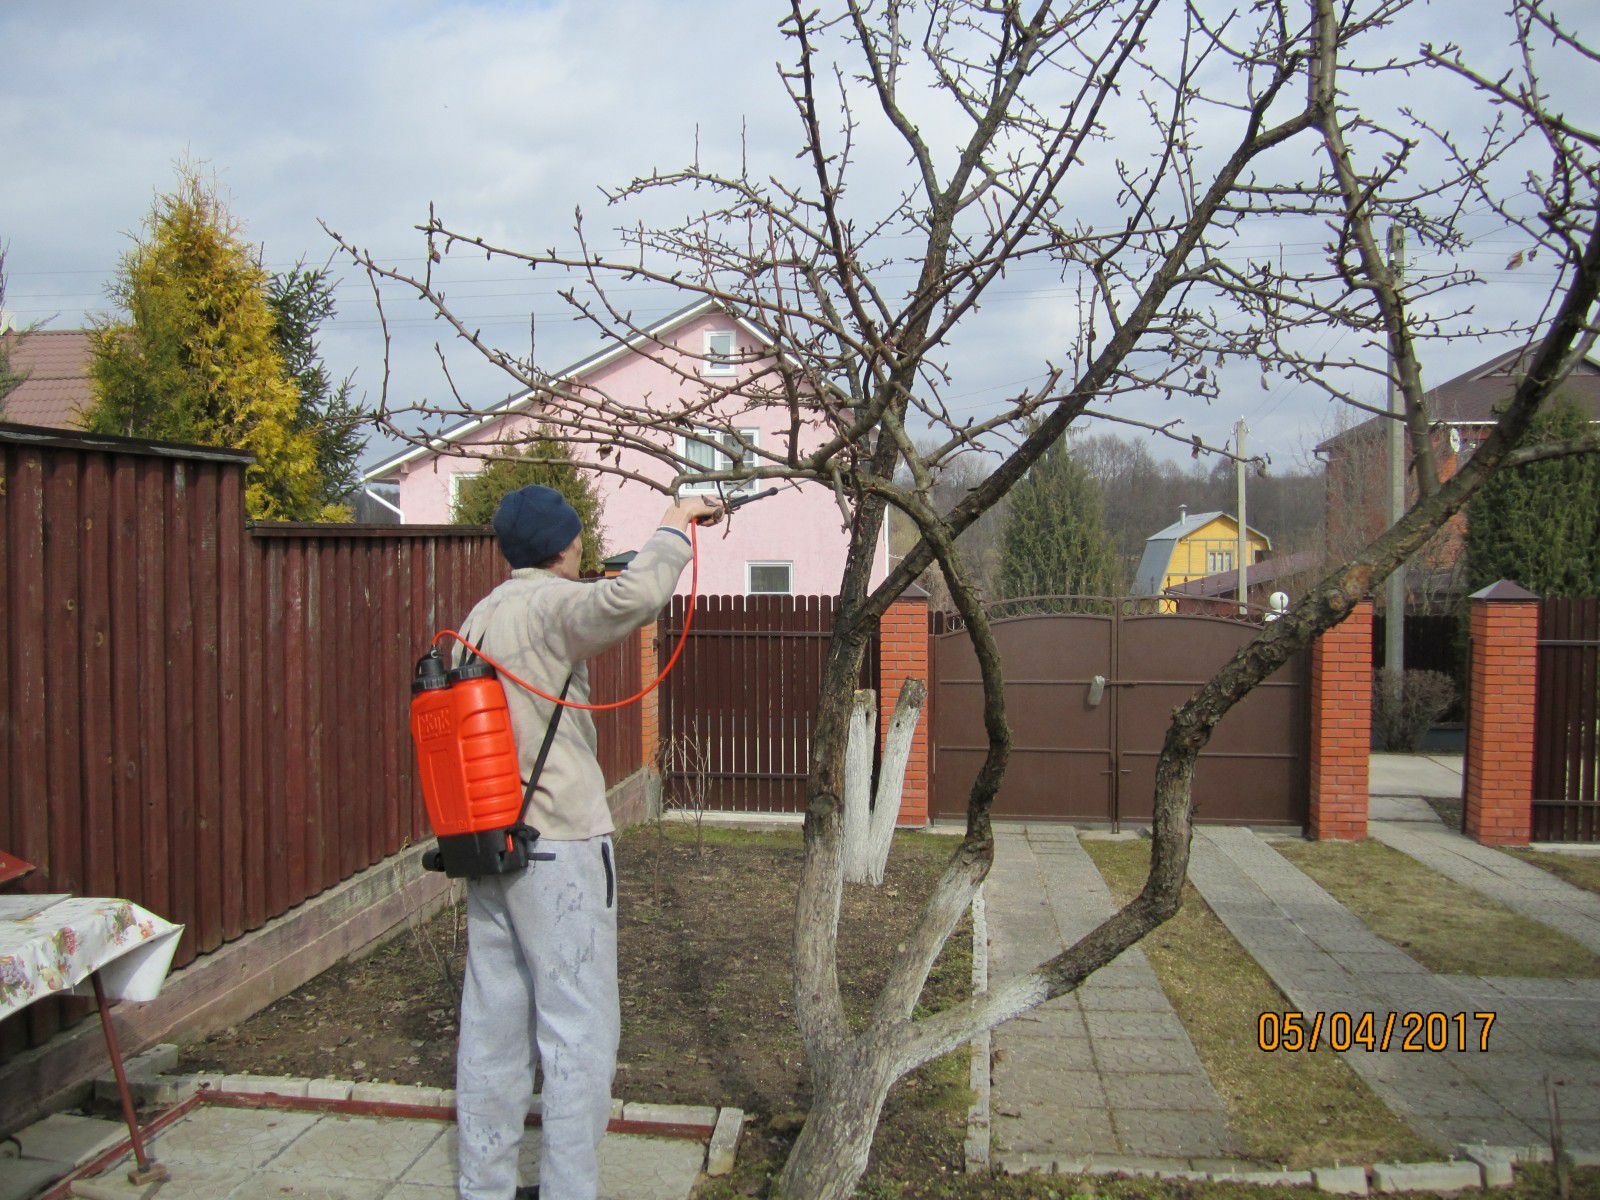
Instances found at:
x=1410 y=1032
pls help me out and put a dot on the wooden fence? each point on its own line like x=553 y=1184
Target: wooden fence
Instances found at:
x=744 y=694
x=1566 y=755
x=206 y=717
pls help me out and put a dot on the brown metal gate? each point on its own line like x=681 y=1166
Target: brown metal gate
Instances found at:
x=744 y=693
x=1566 y=756
x=1084 y=750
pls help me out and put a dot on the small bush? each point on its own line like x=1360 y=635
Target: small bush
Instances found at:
x=1399 y=723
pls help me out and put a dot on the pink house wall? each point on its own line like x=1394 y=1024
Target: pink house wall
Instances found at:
x=801 y=525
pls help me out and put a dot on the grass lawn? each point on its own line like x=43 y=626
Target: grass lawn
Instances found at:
x=1448 y=928
x=1580 y=870
x=1305 y=1109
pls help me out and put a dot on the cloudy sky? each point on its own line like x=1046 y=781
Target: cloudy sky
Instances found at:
x=506 y=116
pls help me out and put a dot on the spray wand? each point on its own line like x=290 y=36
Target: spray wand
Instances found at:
x=683 y=636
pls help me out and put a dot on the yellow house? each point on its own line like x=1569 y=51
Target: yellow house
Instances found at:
x=1193 y=547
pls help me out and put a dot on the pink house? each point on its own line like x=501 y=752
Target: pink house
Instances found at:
x=791 y=543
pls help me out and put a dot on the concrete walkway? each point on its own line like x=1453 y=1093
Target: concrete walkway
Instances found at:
x=216 y=1153
x=1518 y=885
x=1436 y=775
x=1107 y=1071
x=1325 y=960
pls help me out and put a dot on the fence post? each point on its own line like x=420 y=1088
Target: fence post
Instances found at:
x=1500 y=703
x=1341 y=727
x=903 y=655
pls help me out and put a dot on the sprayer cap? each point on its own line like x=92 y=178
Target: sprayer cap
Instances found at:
x=430 y=674
x=475 y=669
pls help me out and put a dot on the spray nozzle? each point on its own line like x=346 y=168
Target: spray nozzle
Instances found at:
x=749 y=498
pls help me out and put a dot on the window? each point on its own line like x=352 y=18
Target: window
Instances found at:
x=769 y=578
x=719 y=352
x=703 y=456
x=458 y=480
x=1218 y=561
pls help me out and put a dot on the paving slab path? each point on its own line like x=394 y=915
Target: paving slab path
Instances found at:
x=1325 y=961
x=216 y=1153
x=1107 y=1071
x=1436 y=775
x=1518 y=885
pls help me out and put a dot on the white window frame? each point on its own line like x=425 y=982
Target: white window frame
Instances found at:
x=715 y=362
x=749 y=572
x=723 y=461
x=457 y=478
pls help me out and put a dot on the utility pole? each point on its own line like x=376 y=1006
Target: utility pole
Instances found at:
x=1394 y=625
x=1241 y=552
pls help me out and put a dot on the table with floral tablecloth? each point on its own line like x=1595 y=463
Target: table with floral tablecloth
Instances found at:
x=53 y=944
x=111 y=949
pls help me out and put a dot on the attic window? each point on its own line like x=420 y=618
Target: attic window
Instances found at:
x=719 y=352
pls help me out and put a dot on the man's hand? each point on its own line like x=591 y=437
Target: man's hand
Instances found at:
x=705 y=509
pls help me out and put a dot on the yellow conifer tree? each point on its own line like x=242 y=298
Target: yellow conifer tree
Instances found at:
x=195 y=359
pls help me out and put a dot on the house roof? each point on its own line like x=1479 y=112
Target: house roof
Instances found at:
x=1268 y=570
x=1474 y=397
x=56 y=388
x=519 y=401
x=1152 y=572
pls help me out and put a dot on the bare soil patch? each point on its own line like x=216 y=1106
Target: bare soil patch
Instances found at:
x=704 y=964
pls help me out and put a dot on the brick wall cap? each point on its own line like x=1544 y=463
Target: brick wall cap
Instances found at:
x=913 y=592
x=1504 y=590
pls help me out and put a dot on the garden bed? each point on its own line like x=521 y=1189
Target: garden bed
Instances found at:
x=704 y=954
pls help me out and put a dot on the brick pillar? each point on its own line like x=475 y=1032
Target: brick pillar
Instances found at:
x=1341 y=727
x=903 y=654
x=1505 y=652
x=650 y=706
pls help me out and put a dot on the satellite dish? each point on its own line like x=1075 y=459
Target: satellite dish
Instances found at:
x=1455 y=441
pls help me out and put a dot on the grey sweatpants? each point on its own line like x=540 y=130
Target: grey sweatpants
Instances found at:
x=541 y=978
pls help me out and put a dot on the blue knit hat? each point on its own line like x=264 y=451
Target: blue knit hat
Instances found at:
x=534 y=524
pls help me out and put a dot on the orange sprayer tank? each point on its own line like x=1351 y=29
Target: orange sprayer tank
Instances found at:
x=466 y=753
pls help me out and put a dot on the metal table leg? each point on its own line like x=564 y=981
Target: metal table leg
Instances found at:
x=146 y=1170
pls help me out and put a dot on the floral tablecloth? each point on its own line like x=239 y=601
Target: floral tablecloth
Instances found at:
x=52 y=944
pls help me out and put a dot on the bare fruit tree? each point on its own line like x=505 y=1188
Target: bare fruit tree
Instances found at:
x=1154 y=156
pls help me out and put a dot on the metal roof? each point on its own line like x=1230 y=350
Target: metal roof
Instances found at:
x=55 y=390
x=1474 y=397
x=520 y=400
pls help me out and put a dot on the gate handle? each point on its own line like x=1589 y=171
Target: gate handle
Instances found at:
x=1097 y=690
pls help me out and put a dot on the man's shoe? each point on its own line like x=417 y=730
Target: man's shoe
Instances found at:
x=528 y=1193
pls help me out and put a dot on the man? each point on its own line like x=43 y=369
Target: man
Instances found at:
x=542 y=943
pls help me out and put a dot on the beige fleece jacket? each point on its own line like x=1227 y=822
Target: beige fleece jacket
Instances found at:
x=542 y=626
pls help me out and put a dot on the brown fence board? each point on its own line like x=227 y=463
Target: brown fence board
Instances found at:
x=746 y=688
x=230 y=653
x=1566 y=794
x=98 y=827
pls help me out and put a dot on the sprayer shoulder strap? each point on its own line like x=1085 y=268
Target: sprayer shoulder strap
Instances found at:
x=544 y=747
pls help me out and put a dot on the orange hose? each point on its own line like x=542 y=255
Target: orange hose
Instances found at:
x=688 y=619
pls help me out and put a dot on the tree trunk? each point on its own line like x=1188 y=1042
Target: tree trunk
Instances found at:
x=830 y=1155
x=859 y=745
x=892 y=777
